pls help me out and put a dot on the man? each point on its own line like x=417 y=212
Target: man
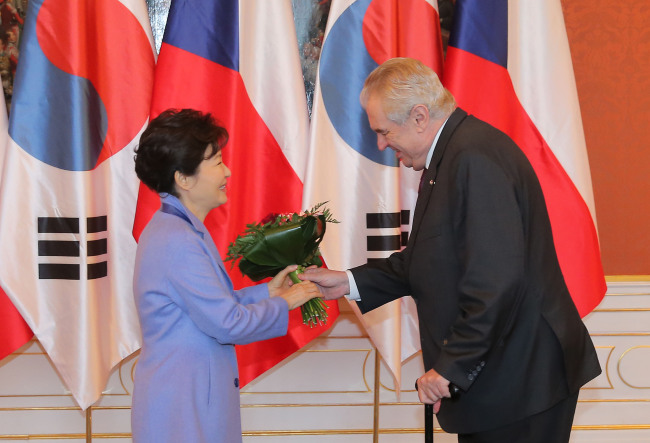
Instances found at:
x=496 y=318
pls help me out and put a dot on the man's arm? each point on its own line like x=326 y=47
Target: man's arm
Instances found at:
x=370 y=285
x=332 y=284
x=382 y=281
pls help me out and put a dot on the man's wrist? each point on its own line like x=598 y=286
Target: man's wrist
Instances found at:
x=353 y=291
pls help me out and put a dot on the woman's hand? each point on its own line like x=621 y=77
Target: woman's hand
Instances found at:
x=295 y=295
x=299 y=294
x=281 y=281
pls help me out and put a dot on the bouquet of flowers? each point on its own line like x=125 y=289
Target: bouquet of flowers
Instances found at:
x=280 y=240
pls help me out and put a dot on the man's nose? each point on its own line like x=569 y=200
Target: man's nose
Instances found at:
x=382 y=144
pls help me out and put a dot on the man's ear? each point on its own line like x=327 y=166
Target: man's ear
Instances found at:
x=420 y=114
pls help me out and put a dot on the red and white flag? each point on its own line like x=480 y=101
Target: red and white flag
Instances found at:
x=509 y=63
x=81 y=98
x=369 y=191
x=239 y=61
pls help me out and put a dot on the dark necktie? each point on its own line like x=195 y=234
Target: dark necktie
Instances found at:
x=424 y=172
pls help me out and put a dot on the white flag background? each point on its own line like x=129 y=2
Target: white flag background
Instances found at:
x=368 y=191
x=541 y=45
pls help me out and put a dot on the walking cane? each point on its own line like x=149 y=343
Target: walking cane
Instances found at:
x=428 y=423
x=428 y=420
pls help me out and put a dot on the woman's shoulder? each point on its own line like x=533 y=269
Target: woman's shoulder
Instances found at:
x=168 y=232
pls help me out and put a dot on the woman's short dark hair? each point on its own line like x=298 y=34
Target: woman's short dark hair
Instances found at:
x=176 y=140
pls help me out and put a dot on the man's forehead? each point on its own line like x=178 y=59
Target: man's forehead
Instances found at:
x=378 y=123
x=375 y=111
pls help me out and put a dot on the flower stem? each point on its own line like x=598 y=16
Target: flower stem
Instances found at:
x=294 y=275
x=314 y=311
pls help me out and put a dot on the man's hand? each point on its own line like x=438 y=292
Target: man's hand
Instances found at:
x=432 y=387
x=332 y=284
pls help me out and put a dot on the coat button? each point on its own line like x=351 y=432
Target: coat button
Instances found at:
x=236 y=382
x=470 y=377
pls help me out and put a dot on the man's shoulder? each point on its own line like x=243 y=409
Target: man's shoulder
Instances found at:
x=472 y=131
x=476 y=141
x=478 y=126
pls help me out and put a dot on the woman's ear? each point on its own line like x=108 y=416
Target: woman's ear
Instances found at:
x=182 y=181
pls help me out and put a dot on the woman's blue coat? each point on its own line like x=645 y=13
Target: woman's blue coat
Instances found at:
x=186 y=379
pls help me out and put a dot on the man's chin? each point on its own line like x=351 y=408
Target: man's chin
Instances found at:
x=412 y=166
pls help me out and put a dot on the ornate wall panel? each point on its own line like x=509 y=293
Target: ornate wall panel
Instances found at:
x=326 y=392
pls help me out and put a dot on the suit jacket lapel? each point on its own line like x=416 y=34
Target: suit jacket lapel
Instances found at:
x=429 y=180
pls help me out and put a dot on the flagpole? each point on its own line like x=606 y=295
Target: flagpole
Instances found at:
x=89 y=425
x=375 y=418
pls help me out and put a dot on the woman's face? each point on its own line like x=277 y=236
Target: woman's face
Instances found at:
x=207 y=188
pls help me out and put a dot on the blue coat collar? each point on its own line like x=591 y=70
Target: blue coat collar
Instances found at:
x=172 y=205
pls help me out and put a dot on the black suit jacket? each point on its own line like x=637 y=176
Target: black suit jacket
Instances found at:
x=495 y=314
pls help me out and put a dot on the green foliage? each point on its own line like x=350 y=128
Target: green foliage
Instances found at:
x=252 y=243
x=280 y=240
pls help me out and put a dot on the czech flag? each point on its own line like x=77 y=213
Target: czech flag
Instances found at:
x=508 y=63
x=240 y=62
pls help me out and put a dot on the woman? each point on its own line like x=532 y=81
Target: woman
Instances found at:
x=186 y=385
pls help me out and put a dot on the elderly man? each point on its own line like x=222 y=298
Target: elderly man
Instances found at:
x=496 y=318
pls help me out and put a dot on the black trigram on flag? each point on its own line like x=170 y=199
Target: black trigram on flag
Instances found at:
x=93 y=241
x=387 y=243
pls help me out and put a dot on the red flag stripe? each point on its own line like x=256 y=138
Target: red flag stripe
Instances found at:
x=14 y=331
x=485 y=89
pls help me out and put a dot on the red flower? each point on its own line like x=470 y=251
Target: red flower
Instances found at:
x=269 y=218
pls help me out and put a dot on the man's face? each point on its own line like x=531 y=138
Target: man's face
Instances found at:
x=404 y=139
